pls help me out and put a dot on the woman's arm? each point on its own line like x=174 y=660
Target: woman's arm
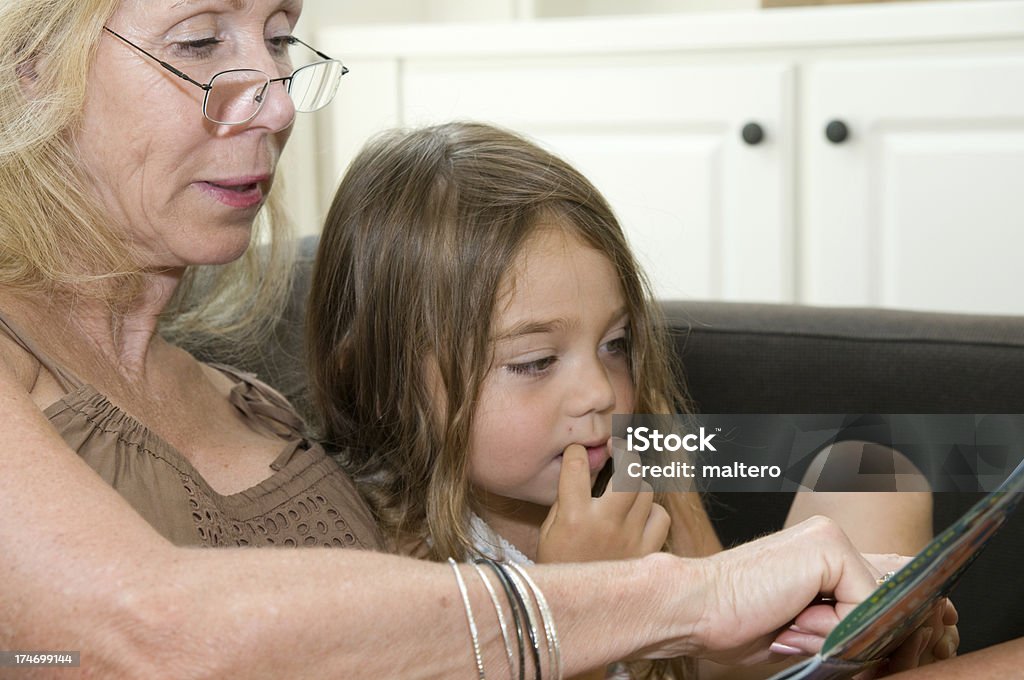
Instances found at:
x=81 y=571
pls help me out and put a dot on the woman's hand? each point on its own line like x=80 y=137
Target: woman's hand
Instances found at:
x=753 y=593
x=936 y=639
x=620 y=524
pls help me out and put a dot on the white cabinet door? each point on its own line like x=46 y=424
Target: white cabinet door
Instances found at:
x=922 y=206
x=709 y=215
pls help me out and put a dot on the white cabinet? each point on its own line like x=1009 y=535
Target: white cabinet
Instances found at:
x=662 y=143
x=923 y=205
x=919 y=207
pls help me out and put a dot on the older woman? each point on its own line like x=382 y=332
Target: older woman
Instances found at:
x=138 y=144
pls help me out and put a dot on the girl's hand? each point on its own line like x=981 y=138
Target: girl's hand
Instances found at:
x=618 y=525
x=935 y=640
x=946 y=638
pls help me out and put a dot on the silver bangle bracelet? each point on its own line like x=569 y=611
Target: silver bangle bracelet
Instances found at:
x=533 y=612
x=548 y=620
x=518 y=610
x=501 y=619
x=469 y=616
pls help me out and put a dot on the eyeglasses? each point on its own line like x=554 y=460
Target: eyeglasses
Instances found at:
x=235 y=96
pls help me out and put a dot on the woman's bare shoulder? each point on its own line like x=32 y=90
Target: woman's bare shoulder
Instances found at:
x=17 y=365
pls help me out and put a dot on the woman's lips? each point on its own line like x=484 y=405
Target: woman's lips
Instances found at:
x=244 y=193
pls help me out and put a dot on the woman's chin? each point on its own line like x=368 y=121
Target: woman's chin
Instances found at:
x=225 y=247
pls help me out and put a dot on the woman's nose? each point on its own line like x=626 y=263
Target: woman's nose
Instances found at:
x=277 y=110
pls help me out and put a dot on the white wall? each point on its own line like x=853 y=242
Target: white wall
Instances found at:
x=327 y=12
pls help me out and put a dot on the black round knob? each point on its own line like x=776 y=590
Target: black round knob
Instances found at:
x=752 y=133
x=837 y=132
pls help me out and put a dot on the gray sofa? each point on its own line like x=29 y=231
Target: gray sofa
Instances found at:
x=760 y=358
x=752 y=358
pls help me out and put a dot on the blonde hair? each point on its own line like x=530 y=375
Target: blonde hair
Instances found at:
x=56 y=235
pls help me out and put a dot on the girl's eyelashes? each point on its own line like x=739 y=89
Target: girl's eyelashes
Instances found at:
x=532 y=368
x=617 y=347
x=620 y=344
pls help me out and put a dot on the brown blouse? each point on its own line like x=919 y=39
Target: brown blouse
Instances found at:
x=306 y=500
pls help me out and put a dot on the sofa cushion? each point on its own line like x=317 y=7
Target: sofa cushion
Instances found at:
x=760 y=358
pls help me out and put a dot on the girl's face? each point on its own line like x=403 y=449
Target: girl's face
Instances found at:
x=559 y=371
x=187 y=189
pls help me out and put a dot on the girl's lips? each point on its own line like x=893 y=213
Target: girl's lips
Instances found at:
x=234 y=194
x=597 y=456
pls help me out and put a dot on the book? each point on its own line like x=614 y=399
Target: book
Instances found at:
x=876 y=627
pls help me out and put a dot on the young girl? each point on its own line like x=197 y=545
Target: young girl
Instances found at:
x=476 y=310
x=476 y=318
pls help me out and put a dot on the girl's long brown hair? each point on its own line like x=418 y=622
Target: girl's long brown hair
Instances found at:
x=421 y=232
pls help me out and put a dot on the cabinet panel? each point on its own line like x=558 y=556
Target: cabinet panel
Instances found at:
x=920 y=207
x=950 y=208
x=915 y=208
x=367 y=102
x=709 y=214
x=652 y=180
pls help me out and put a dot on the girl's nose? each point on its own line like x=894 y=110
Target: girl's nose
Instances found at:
x=594 y=391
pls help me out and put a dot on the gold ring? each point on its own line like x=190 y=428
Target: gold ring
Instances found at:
x=885 y=577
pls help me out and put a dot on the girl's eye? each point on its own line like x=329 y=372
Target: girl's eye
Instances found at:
x=197 y=48
x=532 y=368
x=618 y=346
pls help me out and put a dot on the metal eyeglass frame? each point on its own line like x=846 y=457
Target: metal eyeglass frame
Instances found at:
x=287 y=80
